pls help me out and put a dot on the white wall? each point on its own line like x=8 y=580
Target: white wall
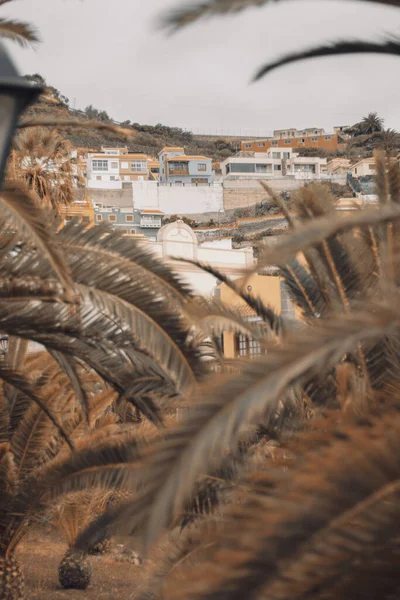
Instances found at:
x=177 y=199
x=225 y=243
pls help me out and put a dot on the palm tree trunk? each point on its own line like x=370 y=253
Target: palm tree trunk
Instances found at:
x=11 y=579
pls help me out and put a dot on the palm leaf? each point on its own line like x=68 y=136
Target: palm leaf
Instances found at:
x=266 y=313
x=18 y=381
x=21 y=211
x=391 y=47
x=22 y=33
x=217 y=419
x=339 y=509
x=319 y=229
x=190 y=13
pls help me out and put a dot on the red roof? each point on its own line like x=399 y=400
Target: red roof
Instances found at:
x=149 y=211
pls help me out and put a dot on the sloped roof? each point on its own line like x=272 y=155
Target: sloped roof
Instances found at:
x=151 y=211
x=172 y=149
x=186 y=158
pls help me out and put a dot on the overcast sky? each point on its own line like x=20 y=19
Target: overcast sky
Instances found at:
x=111 y=54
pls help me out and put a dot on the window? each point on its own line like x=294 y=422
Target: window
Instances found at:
x=202 y=167
x=248 y=146
x=260 y=168
x=124 y=165
x=123 y=230
x=327 y=138
x=261 y=144
x=274 y=143
x=133 y=231
x=314 y=139
x=287 y=141
x=114 y=165
x=85 y=219
x=112 y=177
x=276 y=155
x=286 y=155
x=129 y=218
x=99 y=217
x=243 y=168
x=138 y=166
x=301 y=141
x=112 y=218
x=277 y=168
x=98 y=177
x=100 y=165
x=248 y=347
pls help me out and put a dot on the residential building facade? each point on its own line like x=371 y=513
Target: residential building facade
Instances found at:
x=83 y=210
x=114 y=166
x=294 y=138
x=272 y=291
x=177 y=240
x=273 y=164
x=338 y=166
x=180 y=169
x=129 y=221
x=363 y=167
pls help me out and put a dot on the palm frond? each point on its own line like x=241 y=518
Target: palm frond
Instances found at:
x=22 y=33
x=339 y=509
x=266 y=313
x=216 y=421
x=321 y=228
x=390 y=47
x=18 y=381
x=190 y=13
x=20 y=210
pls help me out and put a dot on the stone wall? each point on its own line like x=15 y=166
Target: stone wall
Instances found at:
x=121 y=198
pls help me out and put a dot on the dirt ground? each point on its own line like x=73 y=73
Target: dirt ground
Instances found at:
x=39 y=556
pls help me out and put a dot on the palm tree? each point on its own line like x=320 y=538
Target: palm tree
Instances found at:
x=334 y=510
x=190 y=13
x=371 y=124
x=22 y=33
x=41 y=160
x=387 y=140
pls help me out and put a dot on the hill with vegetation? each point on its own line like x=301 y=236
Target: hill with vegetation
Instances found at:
x=149 y=139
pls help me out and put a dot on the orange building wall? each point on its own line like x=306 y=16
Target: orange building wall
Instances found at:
x=263 y=286
x=328 y=145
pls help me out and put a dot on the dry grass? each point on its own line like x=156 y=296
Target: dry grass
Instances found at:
x=40 y=555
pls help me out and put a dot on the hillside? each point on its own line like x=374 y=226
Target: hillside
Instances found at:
x=145 y=138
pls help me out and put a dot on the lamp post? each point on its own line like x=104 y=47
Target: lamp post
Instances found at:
x=3 y=344
x=16 y=93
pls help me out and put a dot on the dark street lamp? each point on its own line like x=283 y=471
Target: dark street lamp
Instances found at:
x=16 y=93
x=3 y=344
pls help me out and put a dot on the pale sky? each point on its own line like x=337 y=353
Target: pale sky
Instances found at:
x=112 y=55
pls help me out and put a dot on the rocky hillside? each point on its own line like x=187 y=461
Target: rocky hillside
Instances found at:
x=145 y=138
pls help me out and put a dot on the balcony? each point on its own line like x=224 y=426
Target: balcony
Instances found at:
x=172 y=171
x=149 y=222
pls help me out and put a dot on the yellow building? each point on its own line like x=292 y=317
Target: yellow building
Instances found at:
x=81 y=209
x=273 y=293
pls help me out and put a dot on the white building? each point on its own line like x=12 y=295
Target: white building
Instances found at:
x=363 y=167
x=177 y=240
x=112 y=167
x=274 y=164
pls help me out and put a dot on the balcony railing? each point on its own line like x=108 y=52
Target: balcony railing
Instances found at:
x=147 y=222
x=178 y=172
